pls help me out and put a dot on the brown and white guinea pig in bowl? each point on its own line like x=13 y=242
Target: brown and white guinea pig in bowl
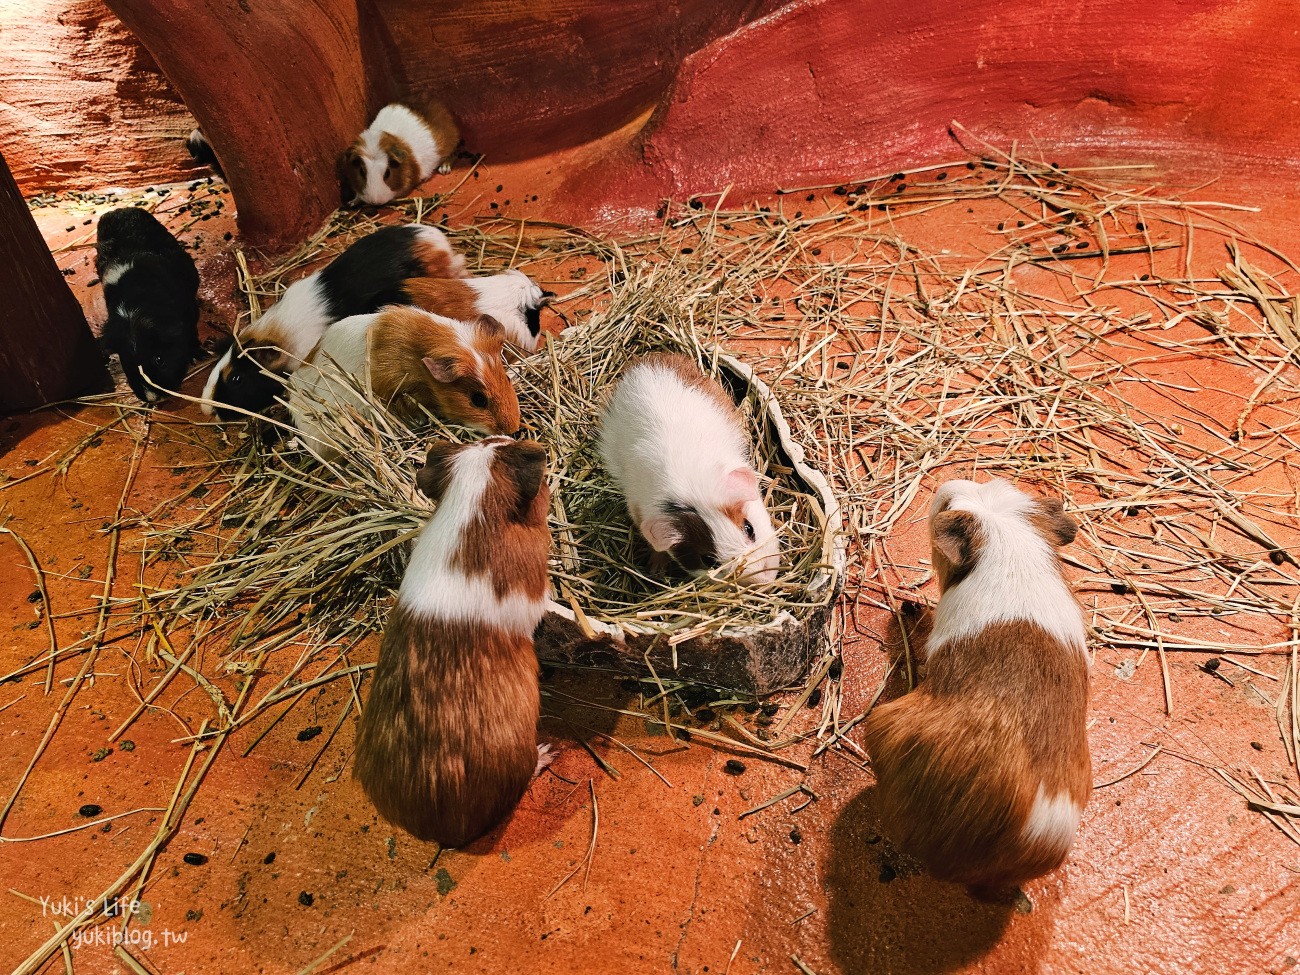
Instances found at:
x=398 y=151
x=452 y=368
x=675 y=445
x=367 y=276
x=511 y=297
x=447 y=743
x=983 y=770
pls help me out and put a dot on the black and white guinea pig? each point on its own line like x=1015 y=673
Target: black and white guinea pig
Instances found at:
x=673 y=441
x=512 y=298
x=200 y=150
x=400 y=149
x=151 y=289
x=364 y=278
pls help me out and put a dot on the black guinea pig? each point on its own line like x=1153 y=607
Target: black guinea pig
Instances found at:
x=151 y=289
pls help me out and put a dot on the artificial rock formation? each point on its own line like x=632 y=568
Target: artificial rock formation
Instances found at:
x=47 y=352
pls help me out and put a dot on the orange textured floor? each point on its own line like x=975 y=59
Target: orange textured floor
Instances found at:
x=653 y=860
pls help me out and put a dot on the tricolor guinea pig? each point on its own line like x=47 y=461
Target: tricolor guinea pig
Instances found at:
x=512 y=298
x=364 y=278
x=400 y=149
x=447 y=743
x=983 y=770
x=452 y=368
x=151 y=290
x=675 y=444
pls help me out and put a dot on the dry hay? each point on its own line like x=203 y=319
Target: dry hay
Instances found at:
x=1068 y=356
x=898 y=363
x=324 y=543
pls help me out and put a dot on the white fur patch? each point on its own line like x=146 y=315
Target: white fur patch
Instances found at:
x=1016 y=575
x=662 y=440
x=210 y=387
x=318 y=388
x=404 y=124
x=115 y=271
x=1053 y=821
x=507 y=297
x=433 y=587
x=296 y=322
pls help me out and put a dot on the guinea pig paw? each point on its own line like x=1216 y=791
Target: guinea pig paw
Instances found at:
x=444 y=167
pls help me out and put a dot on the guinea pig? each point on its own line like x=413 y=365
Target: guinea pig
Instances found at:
x=674 y=443
x=983 y=770
x=447 y=743
x=200 y=150
x=452 y=368
x=512 y=298
x=364 y=278
x=399 y=151
x=151 y=288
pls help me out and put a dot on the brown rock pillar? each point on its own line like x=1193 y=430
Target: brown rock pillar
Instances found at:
x=279 y=87
x=47 y=351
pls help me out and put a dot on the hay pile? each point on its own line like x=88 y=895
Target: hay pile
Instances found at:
x=324 y=544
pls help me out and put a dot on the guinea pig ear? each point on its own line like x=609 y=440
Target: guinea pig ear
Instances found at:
x=445 y=368
x=432 y=479
x=525 y=461
x=1057 y=527
x=738 y=486
x=955 y=536
x=661 y=532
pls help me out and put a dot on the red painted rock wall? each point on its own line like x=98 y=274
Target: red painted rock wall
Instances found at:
x=526 y=77
x=832 y=87
x=746 y=93
x=82 y=104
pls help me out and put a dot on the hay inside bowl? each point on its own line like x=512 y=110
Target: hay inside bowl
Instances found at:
x=323 y=544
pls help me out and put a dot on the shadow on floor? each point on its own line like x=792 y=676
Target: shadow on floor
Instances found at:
x=886 y=915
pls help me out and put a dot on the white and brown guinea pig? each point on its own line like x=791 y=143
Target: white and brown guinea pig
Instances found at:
x=451 y=367
x=512 y=298
x=448 y=739
x=400 y=150
x=983 y=770
x=674 y=443
x=364 y=278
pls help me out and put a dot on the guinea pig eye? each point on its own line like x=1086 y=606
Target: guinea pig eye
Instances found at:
x=356 y=162
x=749 y=530
x=479 y=400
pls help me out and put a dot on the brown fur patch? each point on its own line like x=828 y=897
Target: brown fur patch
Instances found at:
x=449 y=297
x=1051 y=521
x=959 y=760
x=438 y=262
x=402 y=172
x=401 y=338
x=694 y=378
x=955 y=543
x=448 y=739
x=514 y=525
x=446 y=133
x=447 y=743
x=352 y=167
